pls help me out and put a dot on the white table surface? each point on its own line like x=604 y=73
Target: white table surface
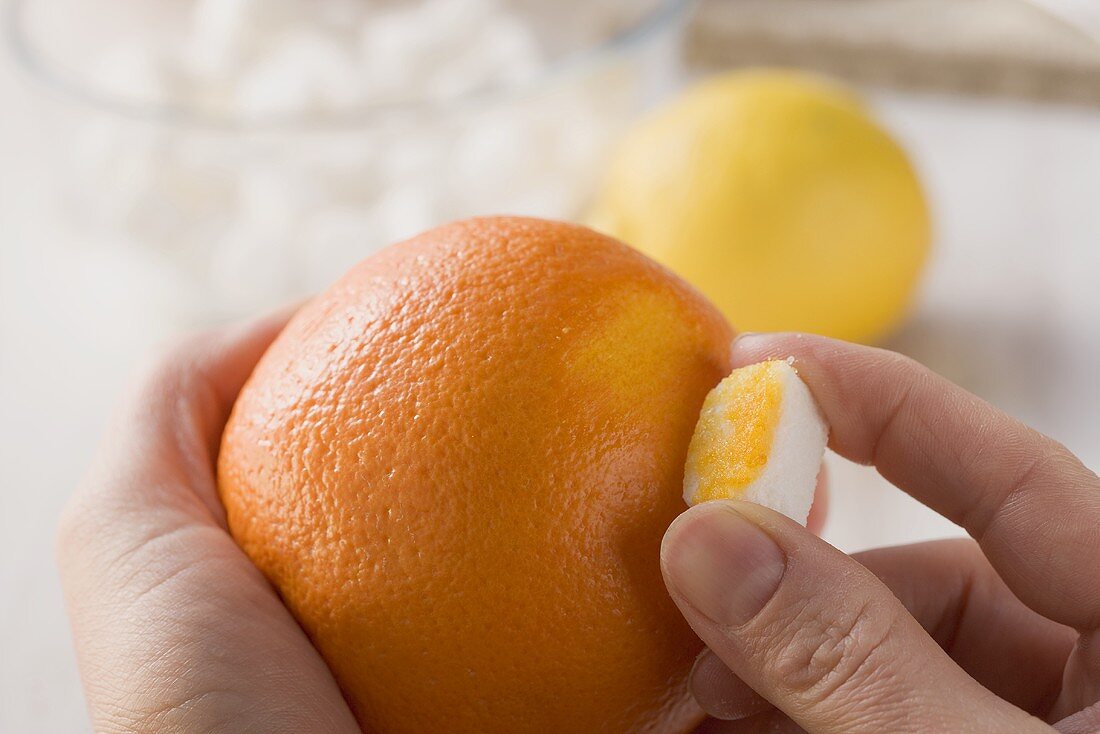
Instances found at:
x=1010 y=308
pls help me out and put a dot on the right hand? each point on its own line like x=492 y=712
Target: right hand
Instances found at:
x=998 y=634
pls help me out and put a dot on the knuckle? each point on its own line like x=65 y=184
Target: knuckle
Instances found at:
x=81 y=517
x=1041 y=467
x=79 y=526
x=173 y=379
x=176 y=707
x=171 y=365
x=69 y=528
x=168 y=385
x=829 y=651
x=903 y=367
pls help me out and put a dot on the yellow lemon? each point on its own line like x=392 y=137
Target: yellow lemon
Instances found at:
x=778 y=196
x=760 y=437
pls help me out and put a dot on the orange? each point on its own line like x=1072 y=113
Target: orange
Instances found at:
x=456 y=466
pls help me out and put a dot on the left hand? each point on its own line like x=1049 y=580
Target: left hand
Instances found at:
x=175 y=629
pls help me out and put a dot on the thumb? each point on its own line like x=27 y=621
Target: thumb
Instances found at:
x=814 y=632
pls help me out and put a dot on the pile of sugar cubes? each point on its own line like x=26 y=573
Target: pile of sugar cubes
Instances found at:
x=300 y=135
x=257 y=59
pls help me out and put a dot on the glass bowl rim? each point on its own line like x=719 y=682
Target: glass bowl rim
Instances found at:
x=665 y=15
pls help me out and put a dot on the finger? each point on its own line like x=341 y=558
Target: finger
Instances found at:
x=1081 y=682
x=1030 y=503
x=226 y=356
x=719 y=692
x=949 y=587
x=169 y=424
x=814 y=632
x=954 y=594
x=819 y=510
x=175 y=629
x=768 y=722
x=1083 y=722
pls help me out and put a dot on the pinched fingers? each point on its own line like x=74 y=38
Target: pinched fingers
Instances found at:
x=1031 y=504
x=814 y=632
x=954 y=594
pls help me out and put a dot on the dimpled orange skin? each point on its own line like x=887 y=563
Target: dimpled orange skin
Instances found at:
x=456 y=466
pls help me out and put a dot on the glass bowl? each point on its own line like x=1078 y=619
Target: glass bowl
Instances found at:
x=258 y=148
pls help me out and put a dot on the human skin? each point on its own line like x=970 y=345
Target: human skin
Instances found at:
x=998 y=633
x=176 y=630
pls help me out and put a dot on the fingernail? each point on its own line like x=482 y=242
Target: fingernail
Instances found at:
x=722 y=563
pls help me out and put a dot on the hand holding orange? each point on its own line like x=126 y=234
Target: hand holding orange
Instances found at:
x=456 y=466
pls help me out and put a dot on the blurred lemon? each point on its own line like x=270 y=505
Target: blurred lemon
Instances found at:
x=778 y=196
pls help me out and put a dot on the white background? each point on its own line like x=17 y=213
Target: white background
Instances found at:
x=1010 y=308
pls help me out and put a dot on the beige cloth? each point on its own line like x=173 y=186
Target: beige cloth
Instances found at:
x=996 y=47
